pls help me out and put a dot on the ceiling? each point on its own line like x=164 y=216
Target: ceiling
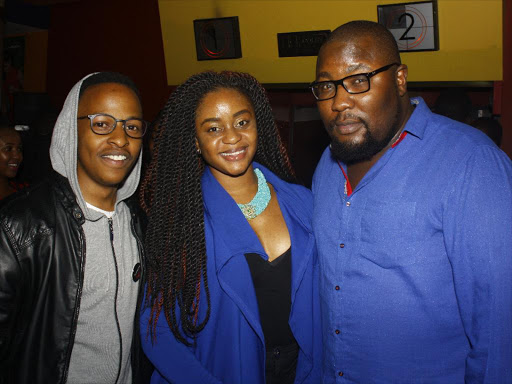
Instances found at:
x=48 y=2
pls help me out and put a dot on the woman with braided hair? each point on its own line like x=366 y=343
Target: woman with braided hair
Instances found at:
x=232 y=289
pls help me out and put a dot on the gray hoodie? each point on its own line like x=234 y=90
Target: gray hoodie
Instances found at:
x=101 y=350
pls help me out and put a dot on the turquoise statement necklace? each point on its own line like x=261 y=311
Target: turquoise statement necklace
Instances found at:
x=260 y=200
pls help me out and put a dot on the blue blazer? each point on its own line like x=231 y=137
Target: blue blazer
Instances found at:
x=231 y=348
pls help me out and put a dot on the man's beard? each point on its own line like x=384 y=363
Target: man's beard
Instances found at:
x=351 y=153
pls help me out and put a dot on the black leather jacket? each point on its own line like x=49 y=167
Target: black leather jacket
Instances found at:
x=42 y=252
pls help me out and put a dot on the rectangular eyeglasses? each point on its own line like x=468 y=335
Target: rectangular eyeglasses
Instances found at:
x=354 y=84
x=103 y=124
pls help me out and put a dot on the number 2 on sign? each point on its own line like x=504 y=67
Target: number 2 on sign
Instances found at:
x=404 y=36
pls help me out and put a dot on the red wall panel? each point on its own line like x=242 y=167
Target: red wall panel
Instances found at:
x=506 y=92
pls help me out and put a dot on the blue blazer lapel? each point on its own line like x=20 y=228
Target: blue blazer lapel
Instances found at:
x=299 y=227
x=232 y=237
x=302 y=251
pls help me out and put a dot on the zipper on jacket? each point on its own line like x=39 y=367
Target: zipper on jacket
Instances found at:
x=135 y=348
x=111 y=230
x=77 y=305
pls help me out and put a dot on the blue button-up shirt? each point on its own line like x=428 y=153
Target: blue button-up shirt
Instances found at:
x=416 y=264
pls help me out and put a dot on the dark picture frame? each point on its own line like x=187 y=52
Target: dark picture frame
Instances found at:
x=305 y=43
x=414 y=25
x=217 y=38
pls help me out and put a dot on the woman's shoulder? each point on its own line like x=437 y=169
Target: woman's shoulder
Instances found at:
x=292 y=195
x=294 y=190
x=298 y=191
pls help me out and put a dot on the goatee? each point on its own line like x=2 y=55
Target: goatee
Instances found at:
x=352 y=153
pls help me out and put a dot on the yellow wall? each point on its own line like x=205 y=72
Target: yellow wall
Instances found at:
x=470 y=36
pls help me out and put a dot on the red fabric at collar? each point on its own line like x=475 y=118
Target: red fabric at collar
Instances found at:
x=349 y=187
x=402 y=136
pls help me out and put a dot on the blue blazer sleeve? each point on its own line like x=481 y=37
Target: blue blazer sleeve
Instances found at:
x=174 y=362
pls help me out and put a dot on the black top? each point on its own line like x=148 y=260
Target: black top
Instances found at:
x=272 y=283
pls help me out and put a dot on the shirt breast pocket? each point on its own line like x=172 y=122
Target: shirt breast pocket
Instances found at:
x=389 y=233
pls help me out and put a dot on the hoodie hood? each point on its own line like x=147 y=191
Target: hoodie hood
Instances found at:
x=64 y=154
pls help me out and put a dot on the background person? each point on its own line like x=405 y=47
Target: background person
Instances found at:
x=491 y=127
x=454 y=103
x=232 y=278
x=413 y=220
x=11 y=156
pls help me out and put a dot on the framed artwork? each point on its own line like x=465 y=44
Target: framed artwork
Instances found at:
x=217 y=38
x=414 y=25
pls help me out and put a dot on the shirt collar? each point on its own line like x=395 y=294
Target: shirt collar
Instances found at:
x=419 y=118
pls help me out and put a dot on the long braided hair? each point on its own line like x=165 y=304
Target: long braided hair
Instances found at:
x=171 y=196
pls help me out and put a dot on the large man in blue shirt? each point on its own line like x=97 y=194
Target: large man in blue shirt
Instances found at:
x=413 y=219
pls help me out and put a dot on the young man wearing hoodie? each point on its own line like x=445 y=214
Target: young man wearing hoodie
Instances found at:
x=71 y=257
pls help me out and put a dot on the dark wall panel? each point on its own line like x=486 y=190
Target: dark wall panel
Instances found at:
x=117 y=35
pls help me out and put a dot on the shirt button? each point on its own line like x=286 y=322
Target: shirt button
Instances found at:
x=340 y=373
x=337 y=287
x=342 y=245
x=337 y=331
x=348 y=203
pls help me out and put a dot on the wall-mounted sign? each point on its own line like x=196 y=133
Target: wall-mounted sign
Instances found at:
x=217 y=38
x=414 y=25
x=301 y=43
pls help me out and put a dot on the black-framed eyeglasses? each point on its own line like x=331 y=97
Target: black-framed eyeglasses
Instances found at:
x=354 y=84
x=103 y=124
